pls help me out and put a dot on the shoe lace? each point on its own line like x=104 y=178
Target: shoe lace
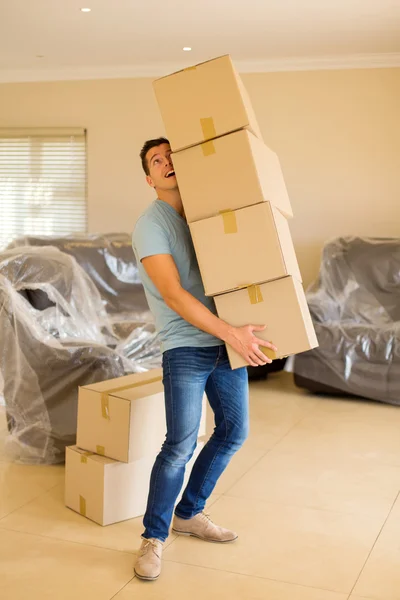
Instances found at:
x=150 y=543
x=206 y=517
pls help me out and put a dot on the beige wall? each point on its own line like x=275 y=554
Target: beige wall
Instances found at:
x=337 y=134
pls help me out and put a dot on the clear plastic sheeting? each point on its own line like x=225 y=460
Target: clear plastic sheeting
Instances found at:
x=56 y=335
x=1 y=389
x=67 y=302
x=141 y=346
x=355 y=306
x=110 y=263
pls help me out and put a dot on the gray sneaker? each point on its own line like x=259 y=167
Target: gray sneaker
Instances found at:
x=148 y=565
x=202 y=527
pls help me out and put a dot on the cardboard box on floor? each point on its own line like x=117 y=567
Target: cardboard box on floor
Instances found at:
x=247 y=246
x=238 y=171
x=107 y=491
x=124 y=418
x=280 y=305
x=203 y=102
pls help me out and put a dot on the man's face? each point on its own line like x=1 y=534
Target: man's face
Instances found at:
x=162 y=174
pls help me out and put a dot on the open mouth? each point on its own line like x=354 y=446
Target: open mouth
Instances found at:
x=170 y=174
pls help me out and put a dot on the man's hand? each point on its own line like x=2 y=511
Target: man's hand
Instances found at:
x=243 y=340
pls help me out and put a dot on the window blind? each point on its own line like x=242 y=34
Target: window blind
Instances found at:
x=42 y=182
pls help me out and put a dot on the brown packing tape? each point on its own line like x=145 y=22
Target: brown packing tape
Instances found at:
x=269 y=352
x=208 y=148
x=84 y=456
x=208 y=128
x=105 y=409
x=101 y=450
x=230 y=223
x=82 y=506
x=255 y=294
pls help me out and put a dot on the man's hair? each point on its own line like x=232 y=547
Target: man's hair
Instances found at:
x=148 y=146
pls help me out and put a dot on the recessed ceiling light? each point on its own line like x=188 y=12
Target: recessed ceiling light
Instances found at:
x=86 y=9
x=186 y=49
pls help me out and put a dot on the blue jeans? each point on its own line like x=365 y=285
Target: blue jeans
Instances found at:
x=188 y=372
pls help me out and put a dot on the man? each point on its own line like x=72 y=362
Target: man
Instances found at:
x=194 y=360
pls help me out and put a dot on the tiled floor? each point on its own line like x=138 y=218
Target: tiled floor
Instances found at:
x=314 y=496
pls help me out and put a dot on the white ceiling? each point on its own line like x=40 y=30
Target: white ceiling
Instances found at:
x=145 y=37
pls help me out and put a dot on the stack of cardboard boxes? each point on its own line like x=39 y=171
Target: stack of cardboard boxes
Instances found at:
x=236 y=204
x=121 y=427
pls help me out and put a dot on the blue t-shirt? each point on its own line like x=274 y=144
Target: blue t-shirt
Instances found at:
x=162 y=230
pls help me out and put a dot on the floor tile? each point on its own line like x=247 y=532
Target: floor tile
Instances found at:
x=361 y=407
x=179 y=582
x=352 y=430
x=308 y=494
x=48 y=516
x=242 y=461
x=276 y=406
x=321 y=480
x=380 y=578
x=37 y=568
x=21 y=483
x=314 y=548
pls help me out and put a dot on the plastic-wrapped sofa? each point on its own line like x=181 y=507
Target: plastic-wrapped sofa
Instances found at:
x=109 y=261
x=55 y=335
x=355 y=306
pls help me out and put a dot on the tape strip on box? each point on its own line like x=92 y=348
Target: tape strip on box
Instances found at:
x=105 y=409
x=230 y=223
x=82 y=506
x=208 y=148
x=255 y=294
x=84 y=456
x=208 y=128
x=269 y=352
x=209 y=133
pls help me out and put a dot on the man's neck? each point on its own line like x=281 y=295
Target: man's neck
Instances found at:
x=173 y=198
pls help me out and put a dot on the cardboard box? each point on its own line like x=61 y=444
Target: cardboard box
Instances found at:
x=244 y=247
x=203 y=102
x=107 y=491
x=241 y=171
x=280 y=305
x=124 y=418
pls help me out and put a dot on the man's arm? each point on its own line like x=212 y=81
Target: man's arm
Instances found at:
x=162 y=270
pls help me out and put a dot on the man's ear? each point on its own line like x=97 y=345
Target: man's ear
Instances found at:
x=150 y=181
